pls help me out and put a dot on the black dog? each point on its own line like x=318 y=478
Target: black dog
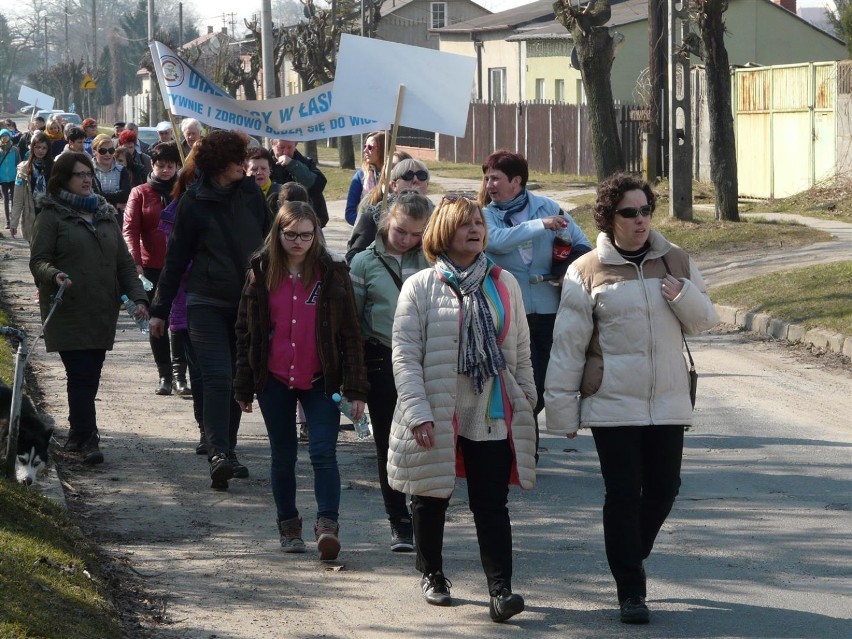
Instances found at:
x=33 y=438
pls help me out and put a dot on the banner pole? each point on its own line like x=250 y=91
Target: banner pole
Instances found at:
x=390 y=151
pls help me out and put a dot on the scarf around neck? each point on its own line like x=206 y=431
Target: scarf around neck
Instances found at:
x=88 y=203
x=515 y=205
x=163 y=188
x=480 y=357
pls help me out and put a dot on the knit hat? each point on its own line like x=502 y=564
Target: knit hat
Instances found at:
x=5 y=132
x=127 y=136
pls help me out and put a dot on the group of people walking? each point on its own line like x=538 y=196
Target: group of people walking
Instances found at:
x=447 y=324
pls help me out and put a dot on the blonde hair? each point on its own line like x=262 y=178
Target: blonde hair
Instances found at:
x=451 y=213
x=291 y=213
x=100 y=140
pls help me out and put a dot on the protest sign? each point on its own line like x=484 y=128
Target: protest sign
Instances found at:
x=438 y=86
x=35 y=98
x=301 y=117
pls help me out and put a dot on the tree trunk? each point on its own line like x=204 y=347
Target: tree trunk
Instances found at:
x=595 y=52
x=723 y=148
x=311 y=149
x=346 y=152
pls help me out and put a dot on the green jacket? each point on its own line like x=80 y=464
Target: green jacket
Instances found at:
x=99 y=265
x=376 y=293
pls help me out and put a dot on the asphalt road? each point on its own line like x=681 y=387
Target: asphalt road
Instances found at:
x=757 y=545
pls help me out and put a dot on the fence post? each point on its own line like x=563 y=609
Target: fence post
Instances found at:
x=550 y=139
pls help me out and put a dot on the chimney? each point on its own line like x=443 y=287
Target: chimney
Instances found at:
x=790 y=5
x=209 y=29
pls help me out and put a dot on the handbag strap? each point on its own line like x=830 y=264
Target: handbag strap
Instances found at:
x=396 y=279
x=682 y=336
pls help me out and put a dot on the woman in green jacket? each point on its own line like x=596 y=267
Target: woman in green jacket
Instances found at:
x=377 y=276
x=77 y=243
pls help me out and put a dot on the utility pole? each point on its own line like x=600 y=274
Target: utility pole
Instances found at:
x=67 y=44
x=180 y=24
x=45 y=43
x=266 y=44
x=152 y=94
x=657 y=79
x=680 y=115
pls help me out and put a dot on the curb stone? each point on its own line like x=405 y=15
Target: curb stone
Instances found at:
x=764 y=324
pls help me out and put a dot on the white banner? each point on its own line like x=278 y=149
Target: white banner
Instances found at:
x=301 y=117
x=35 y=98
x=438 y=85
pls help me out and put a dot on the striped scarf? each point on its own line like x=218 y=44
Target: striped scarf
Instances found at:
x=86 y=203
x=480 y=356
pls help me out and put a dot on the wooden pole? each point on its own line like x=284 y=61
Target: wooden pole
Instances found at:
x=390 y=150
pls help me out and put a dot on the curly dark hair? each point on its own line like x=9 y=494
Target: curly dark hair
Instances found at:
x=215 y=152
x=610 y=192
x=165 y=152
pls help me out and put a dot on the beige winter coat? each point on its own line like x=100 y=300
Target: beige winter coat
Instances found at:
x=617 y=355
x=425 y=360
x=23 y=205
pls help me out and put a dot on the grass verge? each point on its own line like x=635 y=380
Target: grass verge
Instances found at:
x=49 y=583
x=815 y=296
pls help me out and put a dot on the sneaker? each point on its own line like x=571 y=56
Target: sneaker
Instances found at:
x=221 y=471
x=90 y=451
x=291 y=535
x=240 y=471
x=505 y=605
x=634 y=610
x=201 y=447
x=326 y=532
x=402 y=535
x=436 y=589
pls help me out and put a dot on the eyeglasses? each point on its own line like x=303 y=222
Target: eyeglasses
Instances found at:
x=423 y=176
x=292 y=236
x=630 y=212
x=103 y=151
x=83 y=175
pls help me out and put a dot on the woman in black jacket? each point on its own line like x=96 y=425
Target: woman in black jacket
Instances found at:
x=221 y=220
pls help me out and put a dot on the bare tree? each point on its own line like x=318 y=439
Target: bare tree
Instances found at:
x=595 y=49
x=723 y=146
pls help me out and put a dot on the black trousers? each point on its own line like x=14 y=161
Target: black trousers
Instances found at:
x=83 y=371
x=381 y=400
x=214 y=344
x=541 y=343
x=159 y=345
x=641 y=471
x=487 y=465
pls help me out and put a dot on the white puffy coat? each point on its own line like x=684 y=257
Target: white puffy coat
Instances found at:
x=617 y=357
x=425 y=363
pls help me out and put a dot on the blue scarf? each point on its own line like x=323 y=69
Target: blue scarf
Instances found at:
x=515 y=205
x=88 y=203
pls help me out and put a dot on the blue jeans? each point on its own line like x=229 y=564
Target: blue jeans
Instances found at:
x=278 y=405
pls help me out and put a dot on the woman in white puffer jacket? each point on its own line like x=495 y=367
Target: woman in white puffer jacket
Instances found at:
x=461 y=359
x=617 y=367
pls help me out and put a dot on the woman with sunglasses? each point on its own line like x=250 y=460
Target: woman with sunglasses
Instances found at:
x=111 y=179
x=77 y=243
x=617 y=367
x=461 y=363
x=407 y=176
x=298 y=339
x=368 y=176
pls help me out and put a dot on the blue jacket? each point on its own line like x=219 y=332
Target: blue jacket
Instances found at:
x=9 y=163
x=353 y=198
x=504 y=242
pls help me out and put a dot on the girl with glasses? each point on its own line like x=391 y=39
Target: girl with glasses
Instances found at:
x=297 y=340
x=367 y=177
x=617 y=367
x=112 y=180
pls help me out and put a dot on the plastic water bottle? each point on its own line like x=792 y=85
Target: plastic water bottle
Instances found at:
x=147 y=284
x=362 y=426
x=130 y=307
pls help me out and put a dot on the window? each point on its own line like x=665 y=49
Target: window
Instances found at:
x=497 y=85
x=539 y=89
x=581 y=92
x=559 y=91
x=439 y=14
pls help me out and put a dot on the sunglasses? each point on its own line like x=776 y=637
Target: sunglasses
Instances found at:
x=455 y=197
x=630 y=212
x=423 y=176
x=291 y=236
x=369 y=147
x=103 y=151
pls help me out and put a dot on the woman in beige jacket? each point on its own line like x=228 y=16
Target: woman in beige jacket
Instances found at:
x=617 y=367
x=461 y=360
